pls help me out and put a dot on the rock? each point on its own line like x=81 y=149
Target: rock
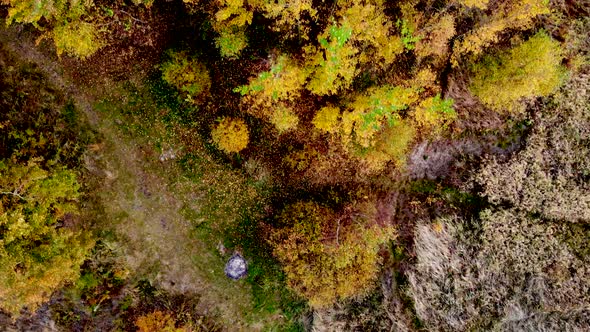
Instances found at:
x=168 y=154
x=236 y=267
x=221 y=248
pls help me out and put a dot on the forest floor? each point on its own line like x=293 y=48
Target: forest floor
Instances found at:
x=145 y=195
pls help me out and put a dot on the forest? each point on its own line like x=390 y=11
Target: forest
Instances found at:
x=409 y=165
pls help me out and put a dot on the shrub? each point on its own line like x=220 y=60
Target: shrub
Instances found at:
x=530 y=69
x=187 y=75
x=231 y=135
x=325 y=256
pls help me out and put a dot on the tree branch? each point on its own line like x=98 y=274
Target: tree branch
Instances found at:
x=131 y=16
x=13 y=193
x=338 y=232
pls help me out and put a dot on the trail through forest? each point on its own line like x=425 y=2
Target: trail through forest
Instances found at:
x=154 y=237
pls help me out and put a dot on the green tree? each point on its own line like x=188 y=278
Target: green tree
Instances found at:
x=334 y=63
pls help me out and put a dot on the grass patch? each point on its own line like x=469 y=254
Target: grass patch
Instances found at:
x=223 y=204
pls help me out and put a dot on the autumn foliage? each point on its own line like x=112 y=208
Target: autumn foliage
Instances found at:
x=188 y=75
x=355 y=102
x=326 y=256
x=157 y=321
x=37 y=256
x=530 y=69
x=230 y=135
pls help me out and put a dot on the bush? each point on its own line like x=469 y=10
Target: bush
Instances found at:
x=325 y=256
x=231 y=135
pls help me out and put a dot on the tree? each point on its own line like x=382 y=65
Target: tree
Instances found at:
x=230 y=21
x=69 y=26
x=481 y=4
x=188 y=75
x=271 y=94
x=327 y=119
x=530 y=69
x=325 y=256
x=334 y=63
x=38 y=253
x=230 y=135
x=435 y=113
x=374 y=110
x=157 y=321
x=78 y=38
x=516 y=15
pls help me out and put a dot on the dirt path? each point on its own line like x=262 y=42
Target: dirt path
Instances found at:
x=156 y=240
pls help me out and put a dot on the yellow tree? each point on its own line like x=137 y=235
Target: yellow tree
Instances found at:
x=516 y=15
x=530 y=69
x=325 y=256
x=272 y=94
x=231 y=135
x=38 y=254
x=231 y=21
x=188 y=75
x=69 y=25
